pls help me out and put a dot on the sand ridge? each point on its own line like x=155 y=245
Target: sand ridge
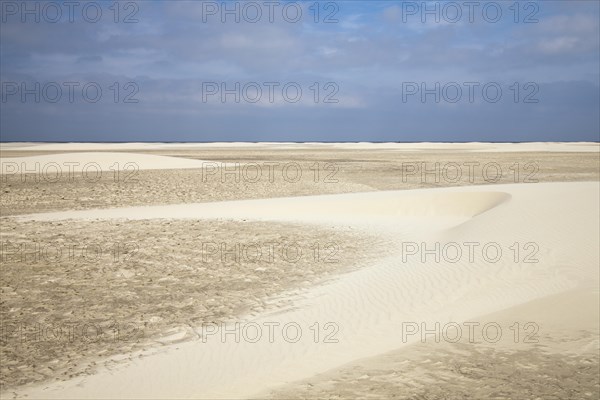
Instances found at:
x=361 y=303
x=370 y=304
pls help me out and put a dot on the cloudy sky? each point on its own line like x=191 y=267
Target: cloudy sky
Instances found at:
x=300 y=71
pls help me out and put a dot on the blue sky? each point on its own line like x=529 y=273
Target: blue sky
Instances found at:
x=389 y=71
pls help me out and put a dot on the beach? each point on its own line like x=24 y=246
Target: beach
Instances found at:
x=300 y=270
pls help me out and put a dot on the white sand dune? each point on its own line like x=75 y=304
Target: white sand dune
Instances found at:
x=483 y=147
x=66 y=163
x=369 y=305
x=392 y=210
x=87 y=146
x=473 y=146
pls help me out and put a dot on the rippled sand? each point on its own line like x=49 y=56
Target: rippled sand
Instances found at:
x=132 y=285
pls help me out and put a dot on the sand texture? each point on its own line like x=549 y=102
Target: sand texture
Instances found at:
x=151 y=281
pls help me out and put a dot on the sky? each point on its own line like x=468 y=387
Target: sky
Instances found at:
x=330 y=71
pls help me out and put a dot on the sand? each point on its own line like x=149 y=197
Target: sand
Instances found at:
x=577 y=147
x=559 y=361
x=54 y=167
x=352 y=314
x=286 y=171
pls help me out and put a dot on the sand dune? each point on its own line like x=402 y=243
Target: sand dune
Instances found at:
x=369 y=305
x=394 y=210
x=96 y=161
x=469 y=147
